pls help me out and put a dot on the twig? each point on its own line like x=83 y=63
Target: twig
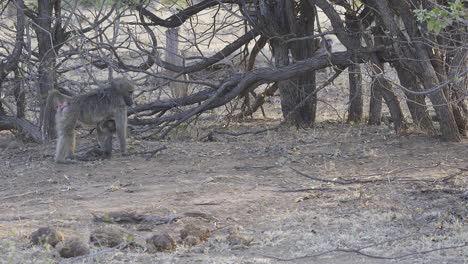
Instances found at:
x=304 y=190
x=118 y=217
x=401 y=256
x=359 y=250
x=152 y=152
x=393 y=172
x=453 y=175
x=17 y=195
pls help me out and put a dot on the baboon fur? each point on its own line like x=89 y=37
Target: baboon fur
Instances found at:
x=105 y=131
x=94 y=108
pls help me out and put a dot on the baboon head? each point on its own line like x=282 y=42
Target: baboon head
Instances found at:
x=124 y=88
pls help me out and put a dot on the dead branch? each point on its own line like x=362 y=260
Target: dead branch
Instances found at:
x=392 y=172
x=240 y=82
x=179 y=18
x=209 y=136
x=304 y=190
x=18 y=195
x=132 y=218
x=259 y=101
x=151 y=152
x=23 y=125
x=359 y=250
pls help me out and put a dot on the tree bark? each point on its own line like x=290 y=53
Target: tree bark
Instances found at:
x=298 y=101
x=22 y=125
x=444 y=112
x=354 y=74
x=355 y=94
x=416 y=57
x=375 y=104
x=457 y=63
x=178 y=89
x=20 y=95
x=394 y=106
x=46 y=67
x=416 y=102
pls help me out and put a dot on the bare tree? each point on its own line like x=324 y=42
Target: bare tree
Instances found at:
x=224 y=42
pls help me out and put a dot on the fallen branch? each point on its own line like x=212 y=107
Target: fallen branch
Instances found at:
x=209 y=136
x=132 y=218
x=359 y=251
x=18 y=195
x=304 y=190
x=22 y=125
x=151 y=152
x=393 y=172
x=401 y=256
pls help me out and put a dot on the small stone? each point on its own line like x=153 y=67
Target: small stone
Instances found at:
x=193 y=235
x=108 y=237
x=161 y=242
x=236 y=239
x=46 y=235
x=72 y=247
x=191 y=241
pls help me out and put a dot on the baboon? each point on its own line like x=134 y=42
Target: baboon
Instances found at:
x=93 y=108
x=105 y=131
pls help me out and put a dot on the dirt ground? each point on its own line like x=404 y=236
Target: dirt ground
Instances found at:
x=413 y=211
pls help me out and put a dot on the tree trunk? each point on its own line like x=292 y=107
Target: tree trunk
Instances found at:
x=416 y=102
x=375 y=104
x=416 y=57
x=458 y=88
x=178 y=89
x=46 y=67
x=298 y=98
x=355 y=94
x=444 y=112
x=20 y=95
x=385 y=89
x=354 y=74
x=394 y=106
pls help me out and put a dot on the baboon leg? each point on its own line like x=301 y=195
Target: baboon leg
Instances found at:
x=65 y=147
x=105 y=131
x=71 y=151
x=121 y=126
x=66 y=137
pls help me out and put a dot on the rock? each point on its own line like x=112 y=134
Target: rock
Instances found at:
x=193 y=235
x=161 y=242
x=191 y=241
x=108 y=237
x=46 y=235
x=236 y=239
x=72 y=247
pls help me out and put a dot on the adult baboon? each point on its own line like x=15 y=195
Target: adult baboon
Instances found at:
x=101 y=105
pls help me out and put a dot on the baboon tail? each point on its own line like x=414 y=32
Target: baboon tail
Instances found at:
x=53 y=99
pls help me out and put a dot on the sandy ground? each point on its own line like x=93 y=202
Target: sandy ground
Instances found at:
x=416 y=203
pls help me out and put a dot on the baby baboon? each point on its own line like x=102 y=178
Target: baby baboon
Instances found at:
x=93 y=108
x=105 y=131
